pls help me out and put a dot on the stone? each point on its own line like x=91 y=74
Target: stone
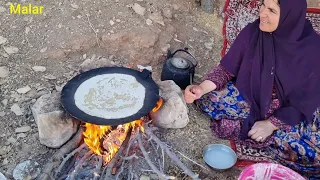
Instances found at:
x=2 y=177
x=74 y=6
x=43 y=49
x=11 y=49
x=167 y=13
x=27 y=30
x=24 y=90
x=23 y=129
x=16 y=109
x=2 y=113
x=89 y=64
x=11 y=140
x=174 y=111
x=111 y=22
x=5 y=102
x=21 y=135
x=157 y=17
x=139 y=9
x=149 y=22
x=4 y=71
x=137 y=45
x=55 y=127
x=5 y=162
x=208 y=45
x=50 y=77
x=27 y=170
x=2 y=9
x=3 y=40
x=39 y=68
x=4 y=55
x=144 y=177
x=154 y=177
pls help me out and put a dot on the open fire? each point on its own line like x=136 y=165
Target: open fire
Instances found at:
x=106 y=140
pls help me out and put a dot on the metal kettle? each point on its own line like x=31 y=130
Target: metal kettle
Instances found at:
x=180 y=70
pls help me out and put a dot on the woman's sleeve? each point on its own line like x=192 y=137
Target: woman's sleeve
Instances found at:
x=219 y=76
x=279 y=124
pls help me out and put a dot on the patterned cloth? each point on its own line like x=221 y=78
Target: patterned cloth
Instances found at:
x=268 y=171
x=296 y=147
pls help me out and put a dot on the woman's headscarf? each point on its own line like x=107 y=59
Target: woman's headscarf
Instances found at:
x=288 y=58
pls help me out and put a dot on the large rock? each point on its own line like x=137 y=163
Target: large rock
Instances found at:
x=137 y=45
x=174 y=111
x=54 y=125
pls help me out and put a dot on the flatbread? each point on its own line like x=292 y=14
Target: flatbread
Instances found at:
x=110 y=96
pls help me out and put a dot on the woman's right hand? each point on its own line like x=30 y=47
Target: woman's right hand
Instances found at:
x=192 y=93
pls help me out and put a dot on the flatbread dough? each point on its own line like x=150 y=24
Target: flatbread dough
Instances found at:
x=110 y=96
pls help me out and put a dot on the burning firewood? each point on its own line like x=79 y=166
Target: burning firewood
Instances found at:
x=120 y=151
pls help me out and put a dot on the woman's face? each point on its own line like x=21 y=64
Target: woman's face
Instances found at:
x=269 y=15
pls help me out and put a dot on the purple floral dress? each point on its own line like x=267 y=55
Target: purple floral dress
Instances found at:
x=296 y=147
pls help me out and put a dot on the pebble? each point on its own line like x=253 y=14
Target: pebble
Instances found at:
x=2 y=9
x=24 y=90
x=2 y=177
x=11 y=49
x=3 y=40
x=43 y=50
x=21 y=135
x=139 y=9
x=5 y=162
x=143 y=177
x=167 y=13
x=16 y=109
x=84 y=56
x=59 y=88
x=5 y=55
x=2 y=113
x=149 y=22
x=11 y=140
x=5 y=102
x=26 y=170
x=23 y=129
x=4 y=71
x=51 y=77
x=4 y=150
x=74 y=6
x=118 y=20
x=111 y=22
x=39 y=68
x=208 y=45
x=157 y=17
x=27 y=30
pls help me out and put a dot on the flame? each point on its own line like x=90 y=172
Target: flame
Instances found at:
x=105 y=141
x=158 y=105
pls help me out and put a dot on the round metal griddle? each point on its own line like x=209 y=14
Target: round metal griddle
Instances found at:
x=110 y=95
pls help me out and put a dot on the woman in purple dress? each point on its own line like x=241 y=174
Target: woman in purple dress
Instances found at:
x=266 y=90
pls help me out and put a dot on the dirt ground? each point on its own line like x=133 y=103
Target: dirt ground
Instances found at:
x=63 y=37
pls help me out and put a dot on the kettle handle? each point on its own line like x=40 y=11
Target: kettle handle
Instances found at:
x=169 y=55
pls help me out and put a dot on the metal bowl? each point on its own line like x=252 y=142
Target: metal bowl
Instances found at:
x=219 y=157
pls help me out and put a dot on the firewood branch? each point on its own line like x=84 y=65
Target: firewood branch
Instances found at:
x=170 y=154
x=146 y=156
x=57 y=157
x=83 y=159
x=68 y=157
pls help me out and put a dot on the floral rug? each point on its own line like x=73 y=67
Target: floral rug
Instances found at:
x=237 y=14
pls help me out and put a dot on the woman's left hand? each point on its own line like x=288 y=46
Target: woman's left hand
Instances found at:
x=261 y=130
